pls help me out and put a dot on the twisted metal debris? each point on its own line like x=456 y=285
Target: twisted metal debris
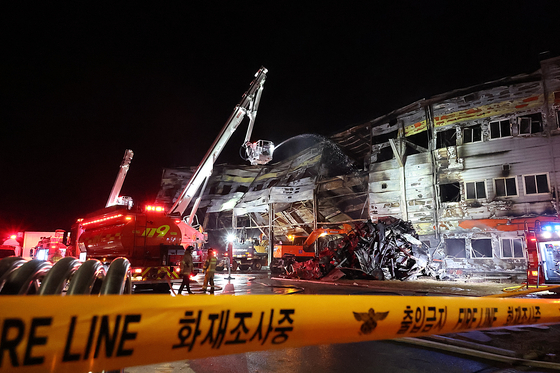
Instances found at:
x=388 y=249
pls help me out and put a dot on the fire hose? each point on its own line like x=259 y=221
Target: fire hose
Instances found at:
x=21 y=277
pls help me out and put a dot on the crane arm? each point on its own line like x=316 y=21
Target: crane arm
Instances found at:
x=248 y=104
x=125 y=165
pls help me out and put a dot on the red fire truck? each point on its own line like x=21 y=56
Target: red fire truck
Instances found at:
x=543 y=253
x=154 y=239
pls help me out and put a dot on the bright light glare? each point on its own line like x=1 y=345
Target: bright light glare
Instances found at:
x=13 y=236
x=547 y=234
x=231 y=237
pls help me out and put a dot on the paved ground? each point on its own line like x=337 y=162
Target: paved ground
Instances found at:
x=516 y=345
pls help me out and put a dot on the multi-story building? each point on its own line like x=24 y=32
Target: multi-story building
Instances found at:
x=469 y=168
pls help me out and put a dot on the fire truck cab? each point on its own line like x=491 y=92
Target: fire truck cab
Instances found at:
x=543 y=253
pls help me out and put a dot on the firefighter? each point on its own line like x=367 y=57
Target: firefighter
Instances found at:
x=187 y=268
x=209 y=269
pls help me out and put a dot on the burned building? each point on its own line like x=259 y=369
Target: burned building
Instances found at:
x=470 y=169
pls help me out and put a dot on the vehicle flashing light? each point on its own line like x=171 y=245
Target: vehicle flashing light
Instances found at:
x=102 y=219
x=137 y=270
x=291 y=237
x=533 y=240
x=128 y=218
x=13 y=237
x=154 y=208
x=547 y=228
x=534 y=273
x=230 y=237
x=547 y=234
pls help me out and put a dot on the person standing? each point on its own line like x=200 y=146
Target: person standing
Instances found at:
x=187 y=268
x=209 y=269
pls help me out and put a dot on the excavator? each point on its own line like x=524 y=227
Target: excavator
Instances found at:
x=153 y=239
x=302 y=247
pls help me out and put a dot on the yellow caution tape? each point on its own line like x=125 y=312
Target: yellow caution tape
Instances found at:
x=89 y=333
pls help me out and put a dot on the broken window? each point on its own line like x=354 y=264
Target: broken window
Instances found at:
x=530 y=124
x=476 y=190
x=481 y=248
x=446 y=138
x=226 y=189
x=450 y=192
x=505 y=187
x=242 y=189
x=512 y=248
x=536 y=184
x=258 y=187
x=455 y=247
x=472 y=134
x=420 y=139
x=385 y=154
x=500 y=128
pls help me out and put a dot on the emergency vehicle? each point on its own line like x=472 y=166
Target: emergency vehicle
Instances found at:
x=153 y=239
x=543 y=252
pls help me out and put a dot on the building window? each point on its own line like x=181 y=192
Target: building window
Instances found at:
x=450 y=192
x=446 y=138
x=472 y=134
x=455 y=247
x=476 y=190
x=499 y=129
x=225 y=190
x=536 y=184
x=481 y=248
x=512 y=248
x=506 y=187
x=530 y=124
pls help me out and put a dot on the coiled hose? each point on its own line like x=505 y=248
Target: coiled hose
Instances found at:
x=21 y=277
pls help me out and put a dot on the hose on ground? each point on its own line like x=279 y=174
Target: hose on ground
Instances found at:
x=20 y=277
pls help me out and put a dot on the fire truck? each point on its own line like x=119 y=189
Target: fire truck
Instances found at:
x=543 y=252
x=153 y=239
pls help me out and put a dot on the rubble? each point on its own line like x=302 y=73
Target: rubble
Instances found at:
x=389 y=249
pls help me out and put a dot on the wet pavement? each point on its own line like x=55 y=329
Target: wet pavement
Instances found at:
x=413 y=355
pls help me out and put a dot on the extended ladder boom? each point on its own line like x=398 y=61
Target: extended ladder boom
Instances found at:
x=248 y=106
x=125 y=165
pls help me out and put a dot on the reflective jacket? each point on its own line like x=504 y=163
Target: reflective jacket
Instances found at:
x=210 y=264
x=187 y=264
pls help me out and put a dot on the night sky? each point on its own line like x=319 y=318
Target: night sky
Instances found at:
x=83 y=81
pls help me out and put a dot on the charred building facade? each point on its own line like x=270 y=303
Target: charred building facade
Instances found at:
x=468 y=168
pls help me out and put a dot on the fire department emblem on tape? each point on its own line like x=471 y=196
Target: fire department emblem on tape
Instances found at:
x=370 y=319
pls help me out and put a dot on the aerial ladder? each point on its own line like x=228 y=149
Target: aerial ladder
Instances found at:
x=257 y=153
x=154 y=240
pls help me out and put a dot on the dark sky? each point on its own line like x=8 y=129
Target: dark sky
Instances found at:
x=82 y=82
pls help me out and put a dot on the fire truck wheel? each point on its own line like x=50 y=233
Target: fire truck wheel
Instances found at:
x=244 y=267
x=257 y=265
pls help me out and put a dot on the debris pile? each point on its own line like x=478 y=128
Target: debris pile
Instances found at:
x=389 y=249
